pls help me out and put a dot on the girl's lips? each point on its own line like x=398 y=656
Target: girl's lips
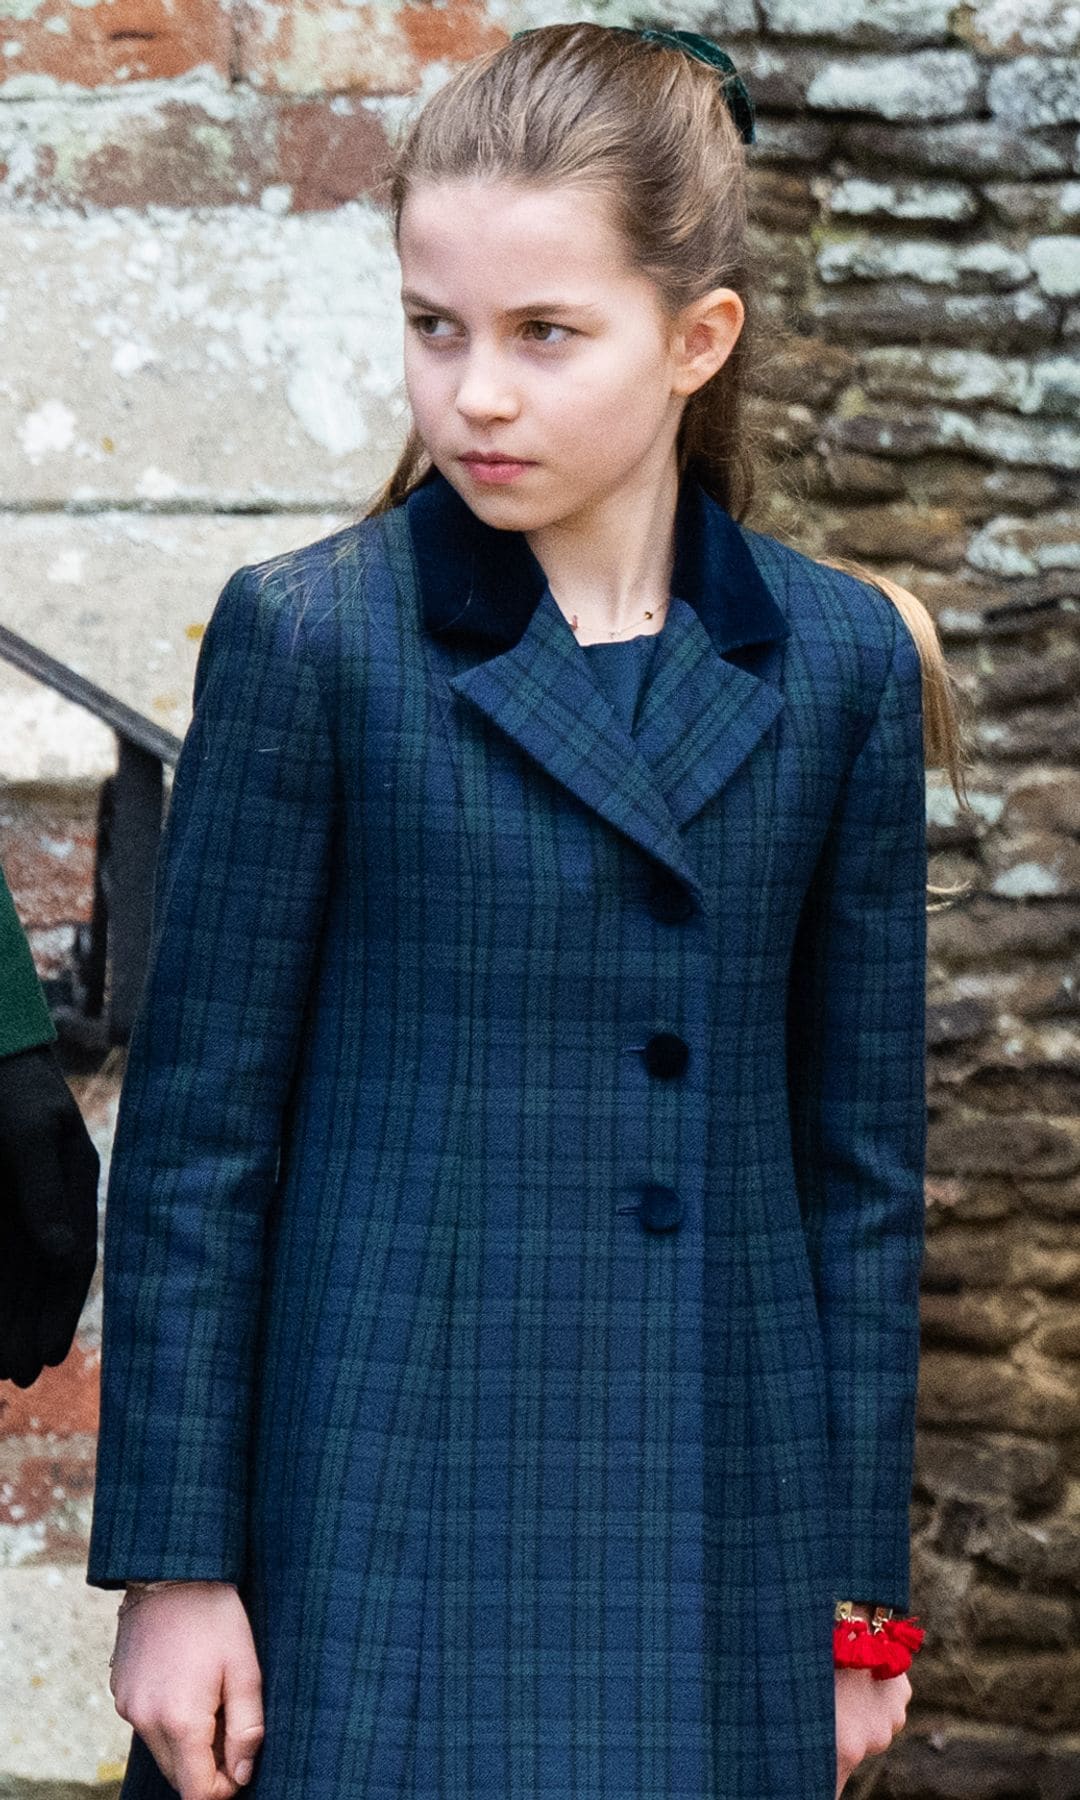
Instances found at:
x=494 y=471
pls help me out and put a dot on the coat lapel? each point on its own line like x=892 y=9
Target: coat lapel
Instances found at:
x=703 y=711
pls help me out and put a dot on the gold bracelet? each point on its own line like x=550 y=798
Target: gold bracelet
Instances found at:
x=878 y=1614
x=136 y=1591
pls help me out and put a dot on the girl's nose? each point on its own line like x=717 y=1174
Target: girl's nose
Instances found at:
x=484 y=391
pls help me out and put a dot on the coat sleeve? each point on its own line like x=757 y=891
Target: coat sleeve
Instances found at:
x=240 y=884
x=857 y=1084
x=25 y=1020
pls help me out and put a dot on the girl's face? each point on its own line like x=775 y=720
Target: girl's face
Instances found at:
x=529 y=336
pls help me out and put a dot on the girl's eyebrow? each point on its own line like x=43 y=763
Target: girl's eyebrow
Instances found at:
x=535 y=308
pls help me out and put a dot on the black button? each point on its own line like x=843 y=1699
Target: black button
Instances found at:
x=670 y=900
x=661 y=1207
x=666 y=1054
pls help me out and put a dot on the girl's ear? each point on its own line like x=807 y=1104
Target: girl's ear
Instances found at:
x=703 y=337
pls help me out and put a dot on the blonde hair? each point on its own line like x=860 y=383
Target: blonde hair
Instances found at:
x=647 y=128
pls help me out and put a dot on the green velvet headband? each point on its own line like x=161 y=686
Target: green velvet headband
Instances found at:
x=691 y=43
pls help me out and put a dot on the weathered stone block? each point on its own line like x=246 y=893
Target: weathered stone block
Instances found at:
x=941 y=202
x=180 y=361
x=1027 y=490
x=807 y=370
x=784 y=260
x=983 y=1202
x=989 y=435
x=1054 y=1199
x=866 y=258
x=1046 y=1552
x=958 y=1021
x=1046 y=800
x=944 y=1759
x=930 y=84
x=320 y=47
x=979 y=1321
x=788 y=140
x=1004 y=1615
x=934 y=536
x=123 y=599
x=892 y=21
x=1042 y=604
x=970 y=1143
x=994 y=435
x=1048 y=1266
x=965 y=376
x=987 y=1468
x=905 y=313
x=959 y=1389
x=780 y=200
x=947 y=478
x=60 y=1732
x=970 y=148
x=1024 y=546
x=1059 y=1337
x=94 y=43
x=1033 y=91
x=218 y=147
x=1030 y=865
x=779 y=75
x=987 y=930
x=788 y=429
x=1056 y=262
x=732 y=17
x=1048 y=384
x=957 y=1257
x=1017 y=1689
x=1008 y=27
x=1035 y=206
x=1011 y=675
x=1029 y=734
x=875 y=477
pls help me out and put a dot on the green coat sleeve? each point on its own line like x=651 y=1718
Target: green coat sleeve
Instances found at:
x=24 y=1016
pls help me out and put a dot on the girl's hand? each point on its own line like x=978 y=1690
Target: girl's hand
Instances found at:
x=869 y=1714
x=186 y=1676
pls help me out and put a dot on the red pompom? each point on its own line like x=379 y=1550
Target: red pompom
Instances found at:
x=893 y=1660
x=906 y=1632
x=885 y=1652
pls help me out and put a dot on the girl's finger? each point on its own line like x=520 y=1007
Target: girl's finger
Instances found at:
x=242 y=1712
x=192 y=1757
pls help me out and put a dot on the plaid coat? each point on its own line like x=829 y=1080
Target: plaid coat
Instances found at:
x=516 y=1209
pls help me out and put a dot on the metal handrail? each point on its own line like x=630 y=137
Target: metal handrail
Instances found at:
x=123 y=719
x=111 y=949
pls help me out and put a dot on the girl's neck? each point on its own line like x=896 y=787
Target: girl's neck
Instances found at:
x=609 y=569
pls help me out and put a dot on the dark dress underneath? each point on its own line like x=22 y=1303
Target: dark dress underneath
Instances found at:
x=621 y=670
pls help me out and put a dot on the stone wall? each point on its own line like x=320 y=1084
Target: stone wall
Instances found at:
x=917 y=203
x=200 y=367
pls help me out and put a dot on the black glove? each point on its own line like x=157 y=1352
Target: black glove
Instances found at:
x=48 y=1214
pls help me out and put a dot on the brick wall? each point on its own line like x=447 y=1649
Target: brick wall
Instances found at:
x=199 y=367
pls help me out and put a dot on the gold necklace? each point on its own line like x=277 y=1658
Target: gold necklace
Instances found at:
x=574 y=621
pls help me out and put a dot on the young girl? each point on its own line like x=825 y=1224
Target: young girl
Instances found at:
x=515 y=1224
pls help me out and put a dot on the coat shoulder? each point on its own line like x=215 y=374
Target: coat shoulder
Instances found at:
x=823 y=602
x=319 y=580
x=846 y=633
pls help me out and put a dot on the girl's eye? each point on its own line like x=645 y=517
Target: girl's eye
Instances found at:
x=547 y=325
x=420 y=321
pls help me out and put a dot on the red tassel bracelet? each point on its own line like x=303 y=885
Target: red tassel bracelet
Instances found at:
x=885 y=1647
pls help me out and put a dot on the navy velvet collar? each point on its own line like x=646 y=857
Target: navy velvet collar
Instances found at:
x=480 y=583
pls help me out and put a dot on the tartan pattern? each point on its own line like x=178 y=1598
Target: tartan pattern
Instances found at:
x=526 y=1502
